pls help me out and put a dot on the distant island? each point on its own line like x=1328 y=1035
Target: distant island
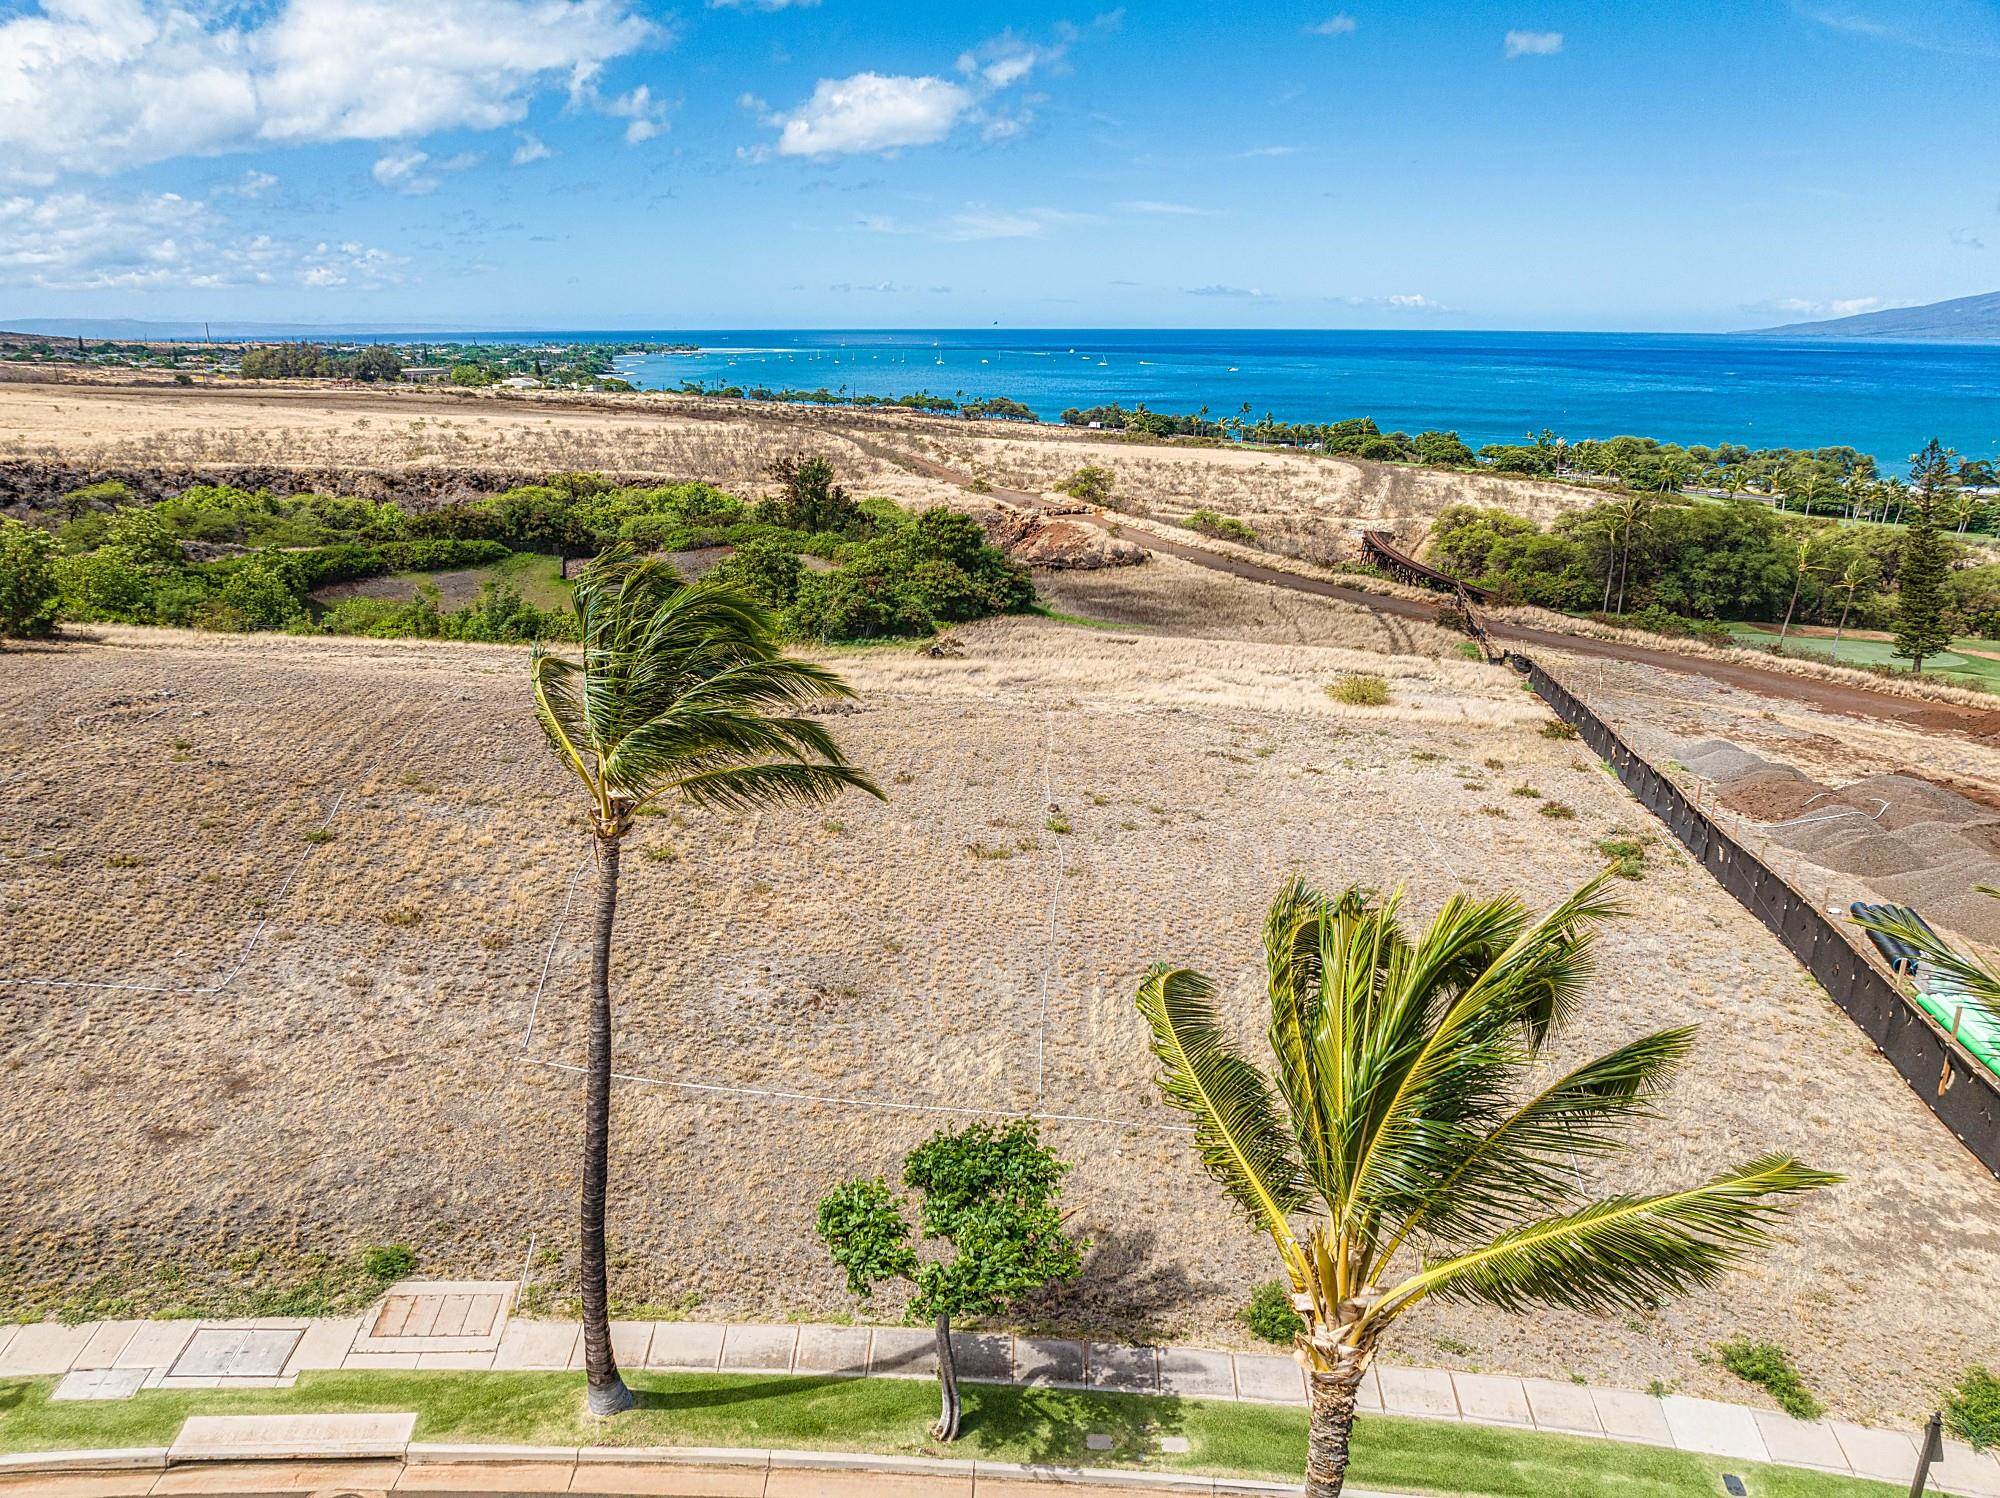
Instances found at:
x=1965 y=319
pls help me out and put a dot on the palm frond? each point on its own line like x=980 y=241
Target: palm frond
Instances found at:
x=747 y=787
x=1626 y=1252
x=1525 y=1161
x=1237 y=1130
x=1979 y=979
x=1307 y=1028
x=685 y=689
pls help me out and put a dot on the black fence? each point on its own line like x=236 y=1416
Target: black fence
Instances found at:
x=1954 y=1086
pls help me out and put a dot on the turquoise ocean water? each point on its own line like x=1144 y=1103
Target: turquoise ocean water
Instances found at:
x=1885 y=399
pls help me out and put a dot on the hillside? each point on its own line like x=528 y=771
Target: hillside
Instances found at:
x=1966 y=319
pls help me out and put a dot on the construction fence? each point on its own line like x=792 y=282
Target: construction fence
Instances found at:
x=1957 y=1088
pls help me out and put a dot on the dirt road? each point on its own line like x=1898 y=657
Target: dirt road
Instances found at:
x=1833 y=696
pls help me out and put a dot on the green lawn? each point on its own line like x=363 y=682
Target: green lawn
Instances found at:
x=889 y=1415
x=1957 y=665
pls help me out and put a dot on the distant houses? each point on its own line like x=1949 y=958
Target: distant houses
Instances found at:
x=425 y=374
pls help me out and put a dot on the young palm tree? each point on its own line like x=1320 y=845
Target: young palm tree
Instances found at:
x=683 y=693
x=1418 y=1155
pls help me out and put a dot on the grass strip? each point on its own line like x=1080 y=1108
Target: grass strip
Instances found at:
x=889 y=1416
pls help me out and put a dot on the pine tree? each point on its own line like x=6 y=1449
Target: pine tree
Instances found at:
x=1925 y=561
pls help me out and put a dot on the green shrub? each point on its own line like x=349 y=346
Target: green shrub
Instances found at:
x=28 y=590
x=936 y=570
x=1089 y=483
x=1558 y=730
x=1270 y=1314
x=765 y=569
x=1222 y=527
x=1770 y=1366
x=388 y=1262
x=1972 y=1409
x=1360 y=689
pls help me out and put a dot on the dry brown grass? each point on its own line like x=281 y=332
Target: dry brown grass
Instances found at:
x=364 y=1076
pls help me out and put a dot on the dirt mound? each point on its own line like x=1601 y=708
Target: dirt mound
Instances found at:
x=1061 y=545
x=1913 y=841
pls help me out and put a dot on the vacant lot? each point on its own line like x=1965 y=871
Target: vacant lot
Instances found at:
x=291 y=966
x=1299 y=502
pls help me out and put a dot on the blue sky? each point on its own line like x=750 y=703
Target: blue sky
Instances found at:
x=757 y=163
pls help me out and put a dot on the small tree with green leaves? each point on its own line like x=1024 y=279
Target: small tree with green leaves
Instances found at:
x=1925 y=563
x=27 y=582
x=990 y=1194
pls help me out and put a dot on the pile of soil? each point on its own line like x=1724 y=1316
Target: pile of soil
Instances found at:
x=1059 y=545
x=1911 y=840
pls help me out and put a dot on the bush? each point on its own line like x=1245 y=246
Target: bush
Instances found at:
x=28 y=588
x=1089 y=483
x=1558 y=729
x=1360 y=689
x=937 y=569
x=1270 y=1314
x=1972 y=1409
x=766 y=570
x=1770 y=1366
x=810 y=500
x=1222 y=527
x=1627 y=855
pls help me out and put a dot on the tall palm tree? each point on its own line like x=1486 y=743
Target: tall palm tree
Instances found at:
x=1405 y=1151
x=683 y=694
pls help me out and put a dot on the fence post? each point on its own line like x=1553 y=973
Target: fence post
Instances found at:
x=1933 y=1450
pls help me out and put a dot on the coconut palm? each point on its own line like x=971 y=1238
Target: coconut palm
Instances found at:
x=1409 y=1147
x=683 y=694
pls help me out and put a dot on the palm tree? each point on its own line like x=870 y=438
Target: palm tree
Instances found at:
x=1859 y=570
x=1798 y=581
x=683 y=694
x=1415 y=1156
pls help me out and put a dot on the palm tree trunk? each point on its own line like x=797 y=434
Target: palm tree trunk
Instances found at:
x=946 y=1428
x=1332 y=1397
x=1786 y=628
x=608 y=1394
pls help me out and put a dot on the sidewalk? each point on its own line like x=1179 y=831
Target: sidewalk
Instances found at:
x=467 y=1326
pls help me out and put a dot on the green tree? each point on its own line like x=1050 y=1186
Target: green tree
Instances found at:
x=1860 y=572
x=991 y=1194
x=766 y=569
x=1410 y=1146
x=811 y=499
x=28 y=590
x=1924 y=566
x=683 y=694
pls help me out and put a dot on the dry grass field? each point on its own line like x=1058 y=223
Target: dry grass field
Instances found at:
x=289 y=967
x=1301 y=503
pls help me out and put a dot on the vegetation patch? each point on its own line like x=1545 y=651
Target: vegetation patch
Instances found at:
x=1270 y=1314
x=1360 y=689
x=1770 y=1367
x=1221 y=527
x=1972 y=1409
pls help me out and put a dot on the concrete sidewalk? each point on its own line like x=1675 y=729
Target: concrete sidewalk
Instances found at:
x=467 y=1326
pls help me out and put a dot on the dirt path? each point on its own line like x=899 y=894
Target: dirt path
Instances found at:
x=1833 y=696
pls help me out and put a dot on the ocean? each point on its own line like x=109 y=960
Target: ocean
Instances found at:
x=1882 y=398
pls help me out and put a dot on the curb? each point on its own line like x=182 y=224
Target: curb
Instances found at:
x=417 y=1455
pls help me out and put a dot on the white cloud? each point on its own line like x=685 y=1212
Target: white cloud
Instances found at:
x=403 y=171
x=871 y=112
x=1007 y=59
x=101 y=85
x=992 y=223
x=645 y=116
x=1165 y=210
x=252 y=184
x=414 y=173
x=76 y=241
x=529 y=150
x=1248 y=293
x=1256 y=152
x=1801 y=309
x=762 y=4
x=1533 y=43
x=1336 y=25
x=884 y=112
